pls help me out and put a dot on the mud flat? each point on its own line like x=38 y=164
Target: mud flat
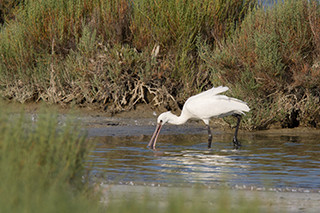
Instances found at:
x=266 y=201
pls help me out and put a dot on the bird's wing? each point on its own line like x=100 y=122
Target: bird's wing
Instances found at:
x=211 y=92
x=190 y=106
x=216 y=106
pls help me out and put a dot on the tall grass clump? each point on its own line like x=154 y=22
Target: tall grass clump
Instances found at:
x=7 y=9
x=177 y=23
x=175 y=26
x=42 y=164
x=272 y=61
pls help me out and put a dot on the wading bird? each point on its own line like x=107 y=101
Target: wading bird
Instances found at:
x=203 y=106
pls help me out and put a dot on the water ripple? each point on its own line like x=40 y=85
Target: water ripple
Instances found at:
x=277 y=162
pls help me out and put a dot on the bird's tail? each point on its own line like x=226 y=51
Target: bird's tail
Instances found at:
x=241 y=105
x=234 y=105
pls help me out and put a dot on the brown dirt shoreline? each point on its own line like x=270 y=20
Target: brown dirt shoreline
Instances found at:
x=144 y=113
x=267 y=201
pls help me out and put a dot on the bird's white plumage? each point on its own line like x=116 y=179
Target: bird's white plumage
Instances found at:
x=211 y=92
x=203 y=106
x=209 y=104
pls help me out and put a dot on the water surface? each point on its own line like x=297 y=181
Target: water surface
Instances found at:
x=265 y=161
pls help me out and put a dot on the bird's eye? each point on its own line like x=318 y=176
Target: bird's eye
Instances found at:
x=160 y=121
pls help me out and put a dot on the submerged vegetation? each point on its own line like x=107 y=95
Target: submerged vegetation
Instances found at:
x=116 y=54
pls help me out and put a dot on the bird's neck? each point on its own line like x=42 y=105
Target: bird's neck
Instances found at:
x=178 y=120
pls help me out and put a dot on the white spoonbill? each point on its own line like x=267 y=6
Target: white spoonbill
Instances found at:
x=203 y=106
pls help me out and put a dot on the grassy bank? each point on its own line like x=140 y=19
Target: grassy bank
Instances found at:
x=41 y=165
x=114 y=55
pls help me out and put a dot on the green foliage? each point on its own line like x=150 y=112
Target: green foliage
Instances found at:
x=99 y=52
x=272 y=60
x=7 y=9
x=115 y=54
x=41 y=164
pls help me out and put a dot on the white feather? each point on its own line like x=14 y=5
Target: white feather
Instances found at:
x=203 y=106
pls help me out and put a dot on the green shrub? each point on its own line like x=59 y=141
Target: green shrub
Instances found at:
x=115 y=54
x=270 y=62
x=40 y=45
x=42 y=161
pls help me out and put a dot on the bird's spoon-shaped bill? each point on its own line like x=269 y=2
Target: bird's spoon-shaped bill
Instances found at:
x=153 y=141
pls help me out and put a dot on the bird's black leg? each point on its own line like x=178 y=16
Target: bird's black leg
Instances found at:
x=209 y=137
x=235 y=141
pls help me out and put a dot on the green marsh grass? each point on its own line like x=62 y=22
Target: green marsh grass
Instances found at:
x=42 y=163
x=93 y=52
x=271 y=62
x=101 y=54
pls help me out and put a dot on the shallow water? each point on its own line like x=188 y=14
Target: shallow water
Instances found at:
x=265 y=161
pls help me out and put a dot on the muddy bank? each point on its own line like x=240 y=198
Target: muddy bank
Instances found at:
x=268 y=201
x=132 y=124
x=142 y=121
x=139 y=121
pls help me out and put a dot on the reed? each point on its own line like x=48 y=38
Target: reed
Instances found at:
x=42 y=162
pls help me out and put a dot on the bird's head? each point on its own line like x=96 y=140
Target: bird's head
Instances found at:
x=162 y=119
